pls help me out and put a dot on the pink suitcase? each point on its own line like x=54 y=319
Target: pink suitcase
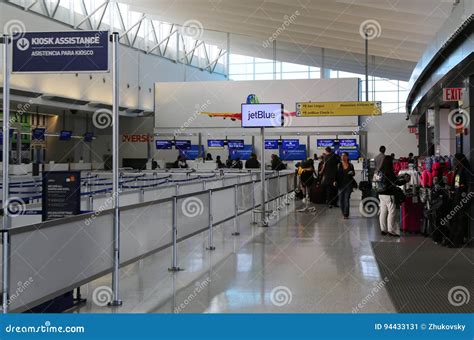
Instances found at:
x=411 y=215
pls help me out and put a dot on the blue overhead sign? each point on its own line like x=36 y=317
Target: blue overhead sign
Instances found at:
x=58 y=52
x=271 y=144
x=288 y=144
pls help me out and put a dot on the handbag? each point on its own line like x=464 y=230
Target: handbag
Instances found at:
x=399 y=196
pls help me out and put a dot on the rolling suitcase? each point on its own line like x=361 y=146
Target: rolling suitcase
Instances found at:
x=317 y=194
x=411 y=215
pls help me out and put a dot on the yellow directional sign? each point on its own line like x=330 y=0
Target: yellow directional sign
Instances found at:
x=315 y=109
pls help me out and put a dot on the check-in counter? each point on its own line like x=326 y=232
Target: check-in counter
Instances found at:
x=20 y=169
x=56 y=167
x=81 y=166
x=210 y=165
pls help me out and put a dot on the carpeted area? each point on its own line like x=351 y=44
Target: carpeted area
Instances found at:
x=426 y=278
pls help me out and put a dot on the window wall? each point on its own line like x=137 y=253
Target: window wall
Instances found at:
x=392 y=93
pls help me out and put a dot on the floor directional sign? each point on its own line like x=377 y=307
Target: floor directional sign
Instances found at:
x=58 y=52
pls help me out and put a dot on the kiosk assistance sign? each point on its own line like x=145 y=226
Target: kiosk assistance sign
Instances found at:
x=58 y=52
x=61 y=194
x=320 y=109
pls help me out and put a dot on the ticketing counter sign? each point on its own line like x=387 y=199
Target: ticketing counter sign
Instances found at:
x=331 y=109
x=262 y=115
x=60 y=52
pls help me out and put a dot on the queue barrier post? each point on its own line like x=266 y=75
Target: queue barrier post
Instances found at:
x=174 y=261
x=253 y=202
x=236 y=213
x=211 y=225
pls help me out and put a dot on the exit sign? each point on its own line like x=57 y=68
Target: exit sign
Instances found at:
x=453 y=94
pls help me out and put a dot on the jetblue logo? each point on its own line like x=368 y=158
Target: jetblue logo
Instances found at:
x=261 y=114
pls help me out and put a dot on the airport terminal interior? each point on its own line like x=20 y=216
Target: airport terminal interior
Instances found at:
x=205 y=156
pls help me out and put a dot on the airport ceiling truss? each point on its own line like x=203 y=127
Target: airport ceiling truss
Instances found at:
x=186 y=50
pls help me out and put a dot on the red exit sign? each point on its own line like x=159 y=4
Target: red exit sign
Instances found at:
x=453 y=94
x=141 y=138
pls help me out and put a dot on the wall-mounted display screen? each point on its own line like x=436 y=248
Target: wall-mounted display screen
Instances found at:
x=88 y=137
x=262 y=115
x=38 y=133
x=295 y=154
x=182 y=144
x=215 y=143
x=243 y=153
x=192 y=153
x=65 y=135
x=288 y=144
x=162 y=144
x=271 y=144
x=235 y=143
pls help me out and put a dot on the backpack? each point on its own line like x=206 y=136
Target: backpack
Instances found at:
x=378 y=182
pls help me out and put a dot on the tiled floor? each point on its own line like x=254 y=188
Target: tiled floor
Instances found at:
x=303 y=263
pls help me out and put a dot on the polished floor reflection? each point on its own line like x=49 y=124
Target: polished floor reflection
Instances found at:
x=303 y=263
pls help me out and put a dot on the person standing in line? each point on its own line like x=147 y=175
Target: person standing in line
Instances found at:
x=252 y=162
x=387 y=217
x=219 y=163
x=379 y=158
x=277 y=164
x=328 y=171
x=345 y=183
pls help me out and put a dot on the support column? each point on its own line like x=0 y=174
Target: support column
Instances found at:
x=437 y=134
x=422 y=145
x=468 y=141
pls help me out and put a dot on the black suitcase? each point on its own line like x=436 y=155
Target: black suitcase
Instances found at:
x=317 y=194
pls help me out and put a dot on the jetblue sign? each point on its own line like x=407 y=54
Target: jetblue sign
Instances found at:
x=262 y=115
x=58 y=52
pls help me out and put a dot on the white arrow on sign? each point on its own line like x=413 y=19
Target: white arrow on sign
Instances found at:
x=23 y=44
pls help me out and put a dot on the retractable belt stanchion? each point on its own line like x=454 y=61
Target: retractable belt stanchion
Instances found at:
x=211 y=226
x=114 y=39
x=253 y=202
x=236 y=213
x=174 y=261
x=5 y=40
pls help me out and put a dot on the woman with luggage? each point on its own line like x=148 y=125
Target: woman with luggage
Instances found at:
x=387 y=217
x=345 y=183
